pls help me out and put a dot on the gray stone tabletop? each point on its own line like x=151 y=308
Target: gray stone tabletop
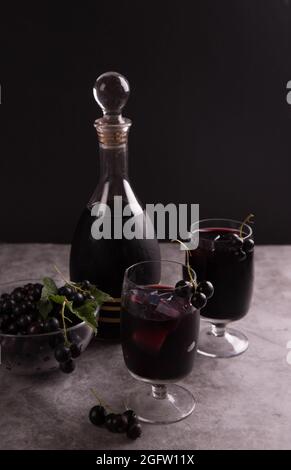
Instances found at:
x=242 y=403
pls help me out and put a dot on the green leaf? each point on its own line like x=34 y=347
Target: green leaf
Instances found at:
x=44 y=308
x=58 y=299
x=45 y=305
x=99 y=295
x=87 y=313
x=49 y=286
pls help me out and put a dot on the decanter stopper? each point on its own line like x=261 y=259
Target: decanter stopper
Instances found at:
x=111 y=91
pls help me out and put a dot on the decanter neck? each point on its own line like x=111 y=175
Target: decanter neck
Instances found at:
x=113 y=162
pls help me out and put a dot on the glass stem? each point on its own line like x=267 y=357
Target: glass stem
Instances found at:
x=159 y=392
x=218 y=329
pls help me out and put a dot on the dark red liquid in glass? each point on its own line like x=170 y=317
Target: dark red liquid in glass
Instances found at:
x=159 y=333
x=232 y=278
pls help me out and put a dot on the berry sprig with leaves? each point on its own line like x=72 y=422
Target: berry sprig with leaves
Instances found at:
x=92 y=298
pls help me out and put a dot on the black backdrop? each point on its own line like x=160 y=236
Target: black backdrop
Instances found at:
x=208 y=103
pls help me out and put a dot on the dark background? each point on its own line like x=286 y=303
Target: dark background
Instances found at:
x=208 y=103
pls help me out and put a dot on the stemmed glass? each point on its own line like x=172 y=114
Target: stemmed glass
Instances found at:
x=225 y=257
x=159 y=333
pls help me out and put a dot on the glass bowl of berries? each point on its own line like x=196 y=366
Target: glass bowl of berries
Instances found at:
x=45 y=326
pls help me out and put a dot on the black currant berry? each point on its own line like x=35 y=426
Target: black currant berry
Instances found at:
x=232 y=238
x=75 y=350
x=16 y=311
x=37 y=290
x=86 y=284
x=37 y=286
x=110 y=422
x=248 y=245
x=68 y=366
x=67 y=291
x=5 y=296
x=4 y=320
x=23 y=307
x=206 y=288
x=120 y=423
x=34 y=329
x=7 y=306
x=78 y=299
x=97 y=415
x=62 y=353
x=17 y=295
x=183 y=289
x=23 y=322
x=29 y=305
x=51 y=324
x=240 y=255
x=34 y=314
x=12 y=329
x=131 y=417
x=199 y=300
x=134 y=431
x=28 y=287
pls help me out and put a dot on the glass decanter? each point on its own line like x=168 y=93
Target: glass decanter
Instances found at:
x=103 y=246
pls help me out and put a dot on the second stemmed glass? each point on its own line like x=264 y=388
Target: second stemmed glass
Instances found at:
x=225 y=257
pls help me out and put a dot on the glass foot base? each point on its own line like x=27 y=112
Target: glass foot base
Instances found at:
x=230 y=343
x=161 y=404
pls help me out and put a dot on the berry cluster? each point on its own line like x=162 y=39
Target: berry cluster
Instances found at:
x=64 y=354
x=74 y=295
x=18 y=311
x=198 y=294
x=126 y=422
x=20 y=315
x=232 y=243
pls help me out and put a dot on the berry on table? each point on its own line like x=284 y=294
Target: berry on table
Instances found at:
x=110 y=422
x=130 y=415
x=97 y=415
x=68 y=366
x=131 y=418
x=120 y=423
x=134 y=431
